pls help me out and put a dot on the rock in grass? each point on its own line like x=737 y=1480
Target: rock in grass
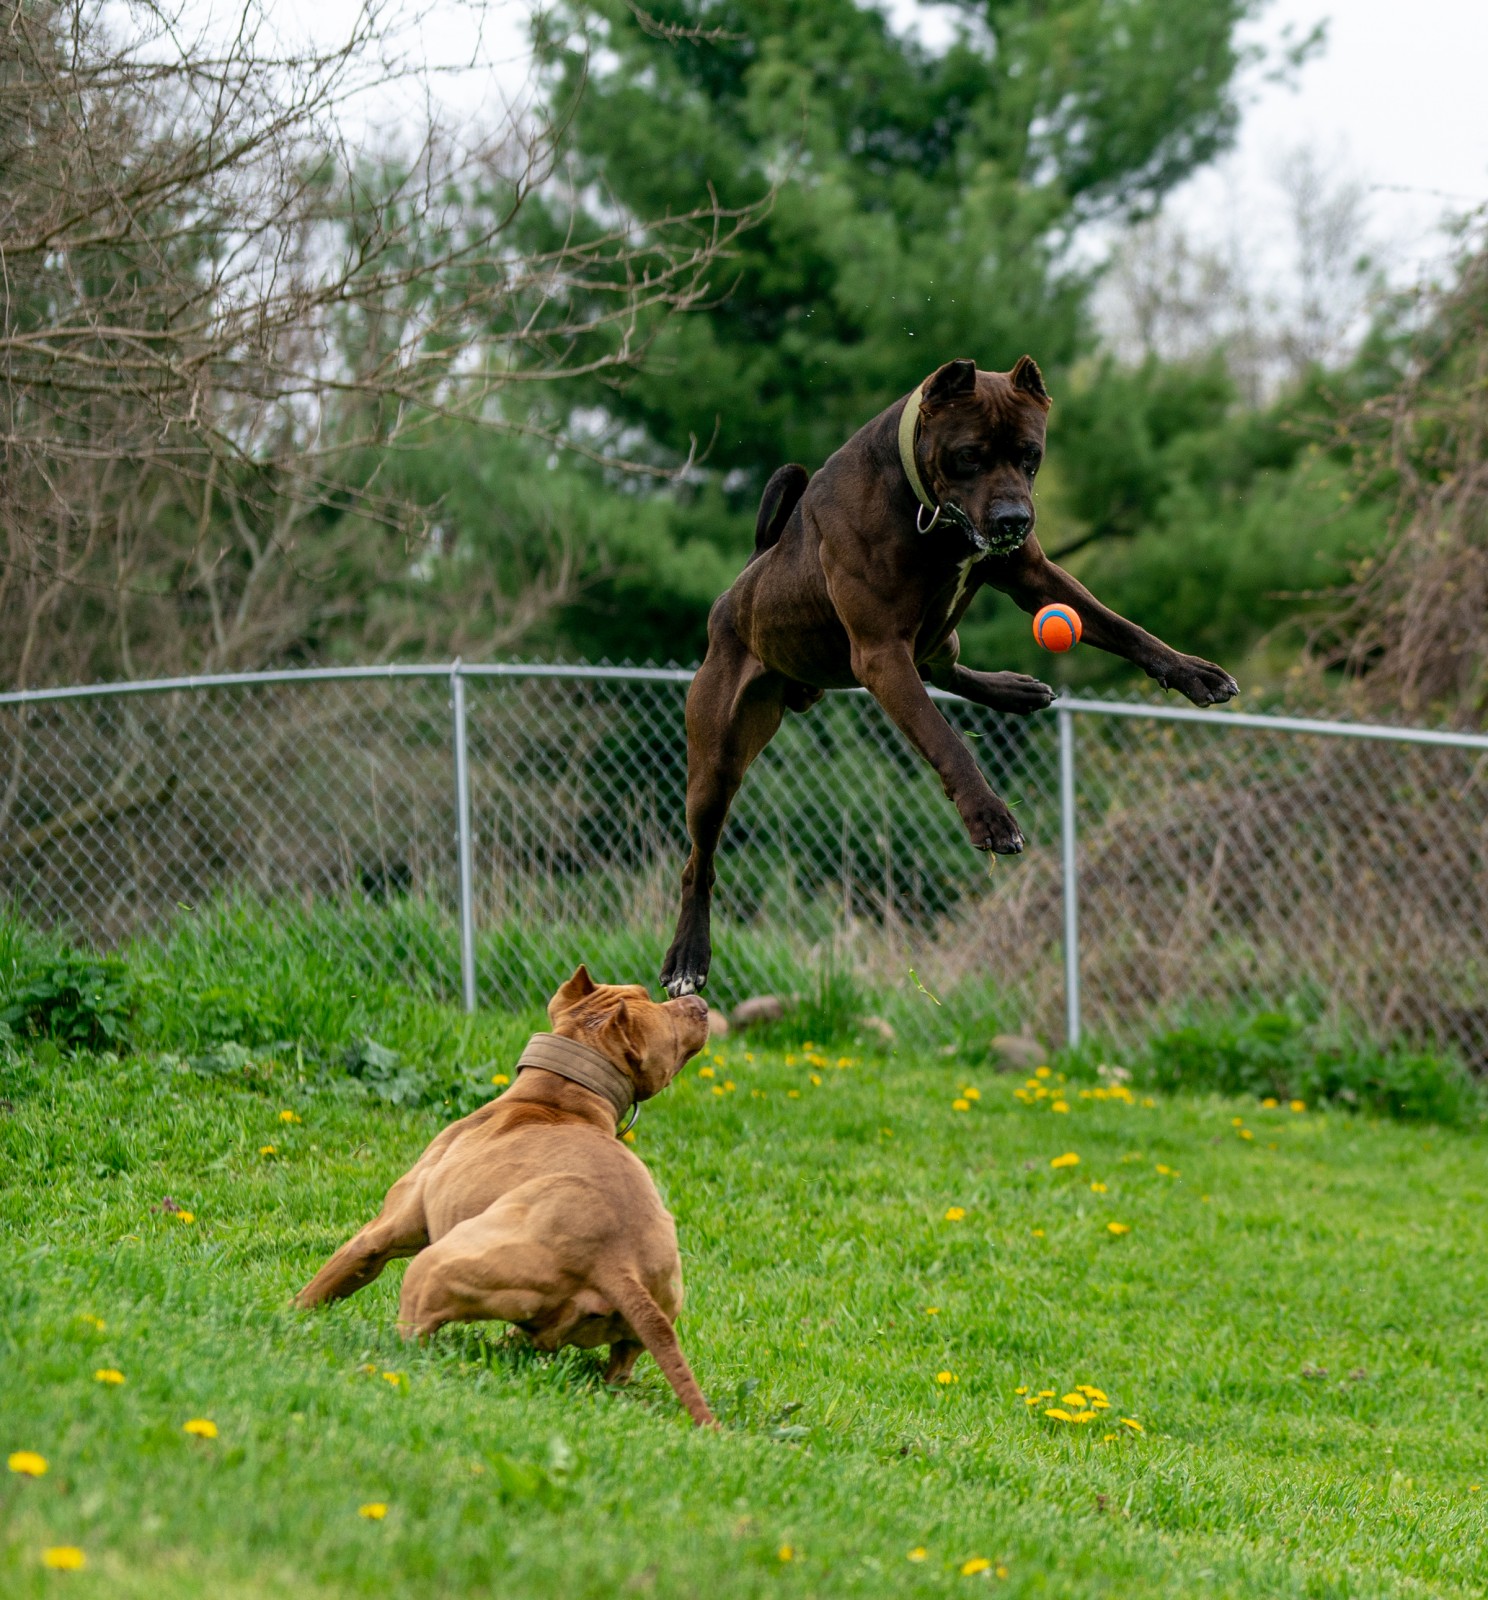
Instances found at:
x=718 y=1024
x=1019 y=1052
x=882 y=1030
x=758 y=1008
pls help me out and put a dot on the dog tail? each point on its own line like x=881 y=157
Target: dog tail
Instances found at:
x=653 y=1328
x=782 y=492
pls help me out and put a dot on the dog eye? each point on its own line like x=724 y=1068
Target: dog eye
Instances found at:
x=968 y=460
x=1031 y=462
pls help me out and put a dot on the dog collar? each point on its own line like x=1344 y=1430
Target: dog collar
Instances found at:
x=909 y=424
x=585 y=1066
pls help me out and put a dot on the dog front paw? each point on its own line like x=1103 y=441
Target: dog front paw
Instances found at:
x=991 y=827
x=1201 y=681
x=1017 y=693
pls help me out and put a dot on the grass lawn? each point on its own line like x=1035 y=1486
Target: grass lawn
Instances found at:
x=1296 y=1321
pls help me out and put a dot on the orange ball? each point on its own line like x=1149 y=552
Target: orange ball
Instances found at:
x=1057 y=628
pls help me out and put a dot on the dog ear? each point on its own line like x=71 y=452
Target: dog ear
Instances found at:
x=954 y=381
x=572 y=992
x=1027 y=377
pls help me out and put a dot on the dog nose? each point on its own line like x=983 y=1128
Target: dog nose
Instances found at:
x=694 y=1003
x=1010 y=525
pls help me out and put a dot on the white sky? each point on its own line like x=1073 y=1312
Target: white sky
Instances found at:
x=1396 y=99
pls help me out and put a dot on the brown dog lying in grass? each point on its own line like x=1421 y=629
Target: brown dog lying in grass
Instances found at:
x=531 y=1211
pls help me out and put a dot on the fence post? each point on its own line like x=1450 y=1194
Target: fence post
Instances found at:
x=1070 y=876
x=462 y=838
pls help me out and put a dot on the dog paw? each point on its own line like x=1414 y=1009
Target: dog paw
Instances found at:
x=1017 y=693
x=991 y=827
x=682 y=974
x=1201 y=681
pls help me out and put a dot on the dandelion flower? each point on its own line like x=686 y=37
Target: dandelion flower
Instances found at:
x=932 y=1311
x=1133 y=1424
x=706 y=1072
x=200 y=1428
x=946 y=1378
x=267 y=1150
x=108 y=1375
x=955 y=1213
x=1270 y=1102
x=969 y=1569
x=1090 y=1391
x=1148 y=1102
x=970 y=1093
x=1245 y=1133
x=1058 y=1415
x=289 y=1116
x=502 y=1079
x=792 y=1094
x=1097 y=1188
x=27 y=1463
x=1068 y=1159
x=729 y=1086
x=1237 y=1122
x=64 y=1558
x=717 y=1088
x=373 y=1511
x=960 y=1105
x=816 y=1079
x=1038 y=1233
x=1074 y=1398
x=1299 y=1105
x=1118 y=1228
x=999 y=1572
x=1041 y=1072
x=394 y=1378
x=93 y=1322
x=919 y=1553
x=1060 y=1105
x=185 y=1216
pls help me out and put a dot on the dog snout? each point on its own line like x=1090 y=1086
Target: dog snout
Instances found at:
x=693 y=1003
x=1009 y=524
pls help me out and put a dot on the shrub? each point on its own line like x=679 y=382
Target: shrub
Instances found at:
x=77 y=1000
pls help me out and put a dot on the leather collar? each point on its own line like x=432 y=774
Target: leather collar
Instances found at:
x=581 y=1064
x=909 y=426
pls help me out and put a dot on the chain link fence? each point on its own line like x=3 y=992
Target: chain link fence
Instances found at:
x=477 y=830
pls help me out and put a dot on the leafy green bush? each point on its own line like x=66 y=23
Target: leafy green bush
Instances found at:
x=77 y=1000
x=1281 y=1055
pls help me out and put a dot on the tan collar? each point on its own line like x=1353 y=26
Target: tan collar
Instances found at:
x=581 y=1064
x=909 y=422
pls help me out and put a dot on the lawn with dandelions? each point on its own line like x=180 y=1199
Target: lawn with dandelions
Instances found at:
x=964 y=1333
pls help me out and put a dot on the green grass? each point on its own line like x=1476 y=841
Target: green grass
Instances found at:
x=814 y=1237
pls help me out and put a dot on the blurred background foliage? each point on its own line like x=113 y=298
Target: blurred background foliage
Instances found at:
x=1227 y=458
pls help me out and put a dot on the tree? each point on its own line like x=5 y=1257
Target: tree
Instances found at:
x=220 y=325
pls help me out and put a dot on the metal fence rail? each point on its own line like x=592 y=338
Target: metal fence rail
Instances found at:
x=475 y=829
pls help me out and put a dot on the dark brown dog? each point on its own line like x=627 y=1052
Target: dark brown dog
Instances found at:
x=860 y=576
x=531 y=1211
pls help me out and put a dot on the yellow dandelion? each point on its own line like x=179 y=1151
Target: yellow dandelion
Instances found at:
x=1270 y=1102
x=1148 y=1102
x=1245 y=1133
x=1299 y=1105
x=185 y=1216
x=27 y=1463
x=816 y=1079
x=932 y=1311
x=944 y=1378
x=1097 y=1188
x=1041 y=1072
x=955 y=1213
x=792 y=1094
x=92 y=1321
x=1206 y=1198
x=999 y=1572
x=919 y=1553
x=1090 y=1391
x=108 y=1375
x=960 y=1105
x=717 y=1089
x=1118 y=1228
x=1106 y=1438
x=1083 y=1416
x=1060 y=1105
x=1044 y=1394
x=267 y=1150
x=971 y=1093
x=289 y=1116
x=373 y=1511
x=394 y=1378
x=787 y=1552
x=1021 y=1389
x=1068 y=1159
x=501 y=1078
x=790 y=1061
x=706 y=1072
x=64 y=1558
x=1133 y=1424
x=1034 y=1400
x=200 y=1428
x=729 y=1086
x=1074 y=1398
x=1237 y=1122
x=629 y=1136
x=969 y=1569
x=1058 y=1415
x=1038 y=1233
